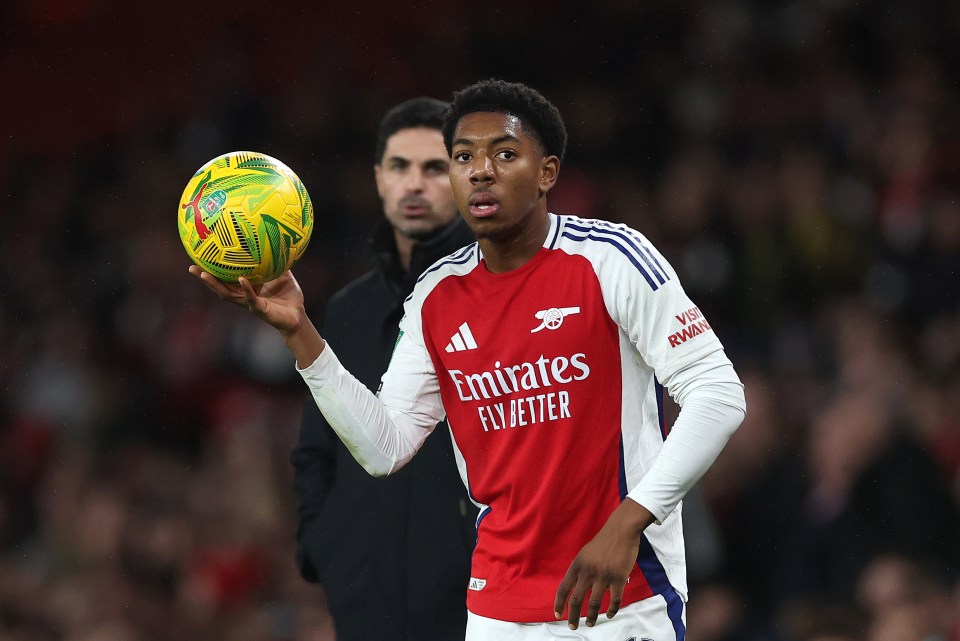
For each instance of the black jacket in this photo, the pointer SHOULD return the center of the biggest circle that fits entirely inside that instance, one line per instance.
(392, 553)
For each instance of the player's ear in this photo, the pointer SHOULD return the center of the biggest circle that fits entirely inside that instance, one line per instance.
(549, 171)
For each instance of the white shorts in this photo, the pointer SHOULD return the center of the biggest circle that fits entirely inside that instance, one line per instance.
(652, 619)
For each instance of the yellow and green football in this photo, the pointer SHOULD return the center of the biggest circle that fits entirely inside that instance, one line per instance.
(245, 214)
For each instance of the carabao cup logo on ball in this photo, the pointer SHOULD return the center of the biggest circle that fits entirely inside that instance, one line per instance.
(245, 214)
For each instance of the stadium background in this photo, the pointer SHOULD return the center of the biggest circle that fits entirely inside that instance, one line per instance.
(797, 161)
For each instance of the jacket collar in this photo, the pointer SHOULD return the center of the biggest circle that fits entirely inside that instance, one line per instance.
(445, 241)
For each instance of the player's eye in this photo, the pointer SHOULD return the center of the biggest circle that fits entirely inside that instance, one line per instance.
(462, 156)
(506, 154)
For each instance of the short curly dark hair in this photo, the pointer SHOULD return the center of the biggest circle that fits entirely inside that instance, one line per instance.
(417, 112)
(538, 115)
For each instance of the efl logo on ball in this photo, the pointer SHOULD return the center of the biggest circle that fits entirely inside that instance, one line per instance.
(245, 214)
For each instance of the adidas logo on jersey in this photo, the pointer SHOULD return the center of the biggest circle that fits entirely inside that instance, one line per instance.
(477, 584)
(462, 340)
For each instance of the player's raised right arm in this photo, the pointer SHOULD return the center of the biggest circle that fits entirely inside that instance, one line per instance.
(381, 438)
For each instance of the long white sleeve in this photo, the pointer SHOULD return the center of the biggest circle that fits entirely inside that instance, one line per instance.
(672, 337)
(712, 407)
(380, 439)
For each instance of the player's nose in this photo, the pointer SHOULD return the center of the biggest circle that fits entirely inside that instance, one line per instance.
(481, 169)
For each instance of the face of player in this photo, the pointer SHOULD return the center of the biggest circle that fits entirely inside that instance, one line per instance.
(500, 177)
(414, 184)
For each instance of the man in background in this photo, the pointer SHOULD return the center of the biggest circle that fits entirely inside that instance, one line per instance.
(392, 553)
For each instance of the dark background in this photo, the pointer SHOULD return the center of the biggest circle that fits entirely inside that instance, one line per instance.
(797, 162)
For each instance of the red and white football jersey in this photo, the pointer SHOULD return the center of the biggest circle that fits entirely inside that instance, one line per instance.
(551, 377)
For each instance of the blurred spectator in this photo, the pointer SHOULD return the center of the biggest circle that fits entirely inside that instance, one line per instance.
(906, 600)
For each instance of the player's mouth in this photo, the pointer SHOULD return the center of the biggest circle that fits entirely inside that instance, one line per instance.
(414, 206)
(483, 204)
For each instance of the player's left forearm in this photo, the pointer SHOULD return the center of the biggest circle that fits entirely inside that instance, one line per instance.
(710, 415)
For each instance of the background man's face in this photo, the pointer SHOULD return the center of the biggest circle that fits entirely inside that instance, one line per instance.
(414, 184)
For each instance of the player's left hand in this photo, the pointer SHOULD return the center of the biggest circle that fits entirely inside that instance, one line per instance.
(604, 564)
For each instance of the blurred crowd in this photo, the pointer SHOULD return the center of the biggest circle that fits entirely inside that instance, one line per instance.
(797, 161)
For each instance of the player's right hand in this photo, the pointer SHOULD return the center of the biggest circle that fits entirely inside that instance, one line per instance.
(278, 302)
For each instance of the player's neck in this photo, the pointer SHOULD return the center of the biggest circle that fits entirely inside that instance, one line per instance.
(515, 247)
